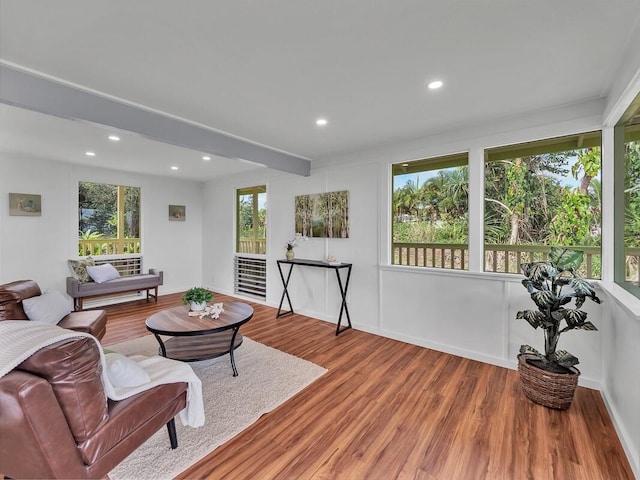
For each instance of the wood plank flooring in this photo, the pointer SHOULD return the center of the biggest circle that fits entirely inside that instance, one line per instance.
(390, 410)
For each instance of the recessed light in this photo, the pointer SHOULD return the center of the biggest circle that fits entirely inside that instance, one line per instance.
(206, 157)
(90, 154)
(114, 138)
(321, 121)
(435, 84)
(174, 167)
(405, 164)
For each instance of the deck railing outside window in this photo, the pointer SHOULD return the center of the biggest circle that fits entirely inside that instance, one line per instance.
(502, 258)
(108, 246)
(437, 255)
(251, 245)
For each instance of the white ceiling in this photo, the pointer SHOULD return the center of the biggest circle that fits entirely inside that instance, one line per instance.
(265, 70)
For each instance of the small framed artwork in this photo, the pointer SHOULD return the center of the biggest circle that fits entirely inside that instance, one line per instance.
(25, 204)
(177, 213)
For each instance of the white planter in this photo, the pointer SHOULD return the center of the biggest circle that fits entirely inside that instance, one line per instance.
(198, 307)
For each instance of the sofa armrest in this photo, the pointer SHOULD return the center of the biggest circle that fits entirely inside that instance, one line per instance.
(160, 273)
(73, 287)
(35, 435)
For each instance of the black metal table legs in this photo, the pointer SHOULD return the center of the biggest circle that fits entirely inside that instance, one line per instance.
(344, 309)
(285, 283)
(343, 305)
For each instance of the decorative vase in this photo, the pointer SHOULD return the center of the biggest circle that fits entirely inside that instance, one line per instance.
(198, 307)
(290, 254)
(553, 390)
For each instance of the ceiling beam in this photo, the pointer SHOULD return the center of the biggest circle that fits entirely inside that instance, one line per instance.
(40, 94)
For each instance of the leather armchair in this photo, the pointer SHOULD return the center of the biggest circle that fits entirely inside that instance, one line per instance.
(56, 422)
(93, 322)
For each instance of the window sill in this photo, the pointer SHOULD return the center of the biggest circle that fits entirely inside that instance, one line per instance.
(626, 300)
(502, 277)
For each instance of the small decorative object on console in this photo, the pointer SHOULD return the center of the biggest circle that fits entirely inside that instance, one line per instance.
(331, 260)
(289, 254)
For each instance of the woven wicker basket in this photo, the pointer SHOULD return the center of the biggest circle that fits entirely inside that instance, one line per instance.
(554, 390)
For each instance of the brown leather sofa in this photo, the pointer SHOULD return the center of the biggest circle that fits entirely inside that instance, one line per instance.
(56, 422)
(12, 294)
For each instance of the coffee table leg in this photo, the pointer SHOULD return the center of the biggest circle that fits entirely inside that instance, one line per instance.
(163, 350)
(233, 361)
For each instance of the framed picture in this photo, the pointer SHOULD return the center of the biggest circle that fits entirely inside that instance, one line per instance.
(177, 213)
(323, 214)
(25, 204)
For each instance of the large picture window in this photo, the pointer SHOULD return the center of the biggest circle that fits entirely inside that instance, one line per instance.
(251, 210)
(108, 219)
(430, 219)
(627, 200)
(542, 194)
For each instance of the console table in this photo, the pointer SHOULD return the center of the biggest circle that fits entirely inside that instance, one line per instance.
(320, 264)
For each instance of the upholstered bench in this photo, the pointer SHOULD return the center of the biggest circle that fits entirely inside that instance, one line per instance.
(11, 308)
(124, 284)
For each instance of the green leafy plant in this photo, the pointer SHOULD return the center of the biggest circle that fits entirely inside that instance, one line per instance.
(197, 295)
(553, 285)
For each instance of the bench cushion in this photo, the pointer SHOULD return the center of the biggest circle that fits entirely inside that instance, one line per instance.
(120, 284)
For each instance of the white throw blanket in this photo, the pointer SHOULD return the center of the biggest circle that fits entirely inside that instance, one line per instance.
(19, 339)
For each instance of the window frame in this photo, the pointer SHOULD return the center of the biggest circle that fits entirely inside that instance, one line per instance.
(114, 245)
(555, 144)
(429, 164)
(622, 133)
(255, 191)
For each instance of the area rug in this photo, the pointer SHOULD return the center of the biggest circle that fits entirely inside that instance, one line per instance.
(267, 378)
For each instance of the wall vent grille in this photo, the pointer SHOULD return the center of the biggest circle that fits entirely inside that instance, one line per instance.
(250, 276)
(126, 265)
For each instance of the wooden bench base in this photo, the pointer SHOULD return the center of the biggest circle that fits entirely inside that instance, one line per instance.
(78, 302)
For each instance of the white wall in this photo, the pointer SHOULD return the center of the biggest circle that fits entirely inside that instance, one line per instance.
(471, 314)
(621, 374)
(38, 247)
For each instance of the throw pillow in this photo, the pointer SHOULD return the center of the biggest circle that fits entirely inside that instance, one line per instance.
(79, 269)
(50, 307)
(123, 372)
(103, 273)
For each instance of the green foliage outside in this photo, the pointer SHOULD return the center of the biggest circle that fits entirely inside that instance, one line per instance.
(98, 211)
(526, 203)
(632, 195)
(435, 211)
(98, 217)
(245, 218)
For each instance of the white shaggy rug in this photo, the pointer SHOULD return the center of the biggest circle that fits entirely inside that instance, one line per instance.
(267, 378)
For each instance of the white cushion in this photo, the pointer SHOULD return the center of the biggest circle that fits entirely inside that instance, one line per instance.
(123, 372)
(50, 307)
(103, 273)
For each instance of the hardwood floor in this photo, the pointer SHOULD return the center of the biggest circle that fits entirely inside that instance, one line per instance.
(387, 410)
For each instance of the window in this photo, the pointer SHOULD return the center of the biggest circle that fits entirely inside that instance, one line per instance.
(430, 220)
(542, 194)
(251, 221)
(108, 219)
(627, 200)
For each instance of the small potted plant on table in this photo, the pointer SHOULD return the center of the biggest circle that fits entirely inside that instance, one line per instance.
(197, 298)
(550, 379)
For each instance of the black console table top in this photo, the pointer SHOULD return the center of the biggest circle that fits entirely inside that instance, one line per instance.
(316, 263)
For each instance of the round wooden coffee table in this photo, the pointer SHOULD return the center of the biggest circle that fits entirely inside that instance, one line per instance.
(194, 338)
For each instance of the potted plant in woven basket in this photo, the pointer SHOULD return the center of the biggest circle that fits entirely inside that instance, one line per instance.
(550, 378)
